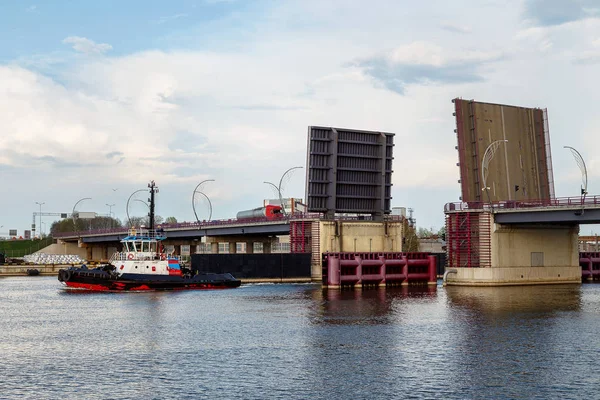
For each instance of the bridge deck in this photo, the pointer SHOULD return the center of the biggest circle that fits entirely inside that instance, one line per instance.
(228, 227)
(569, 210)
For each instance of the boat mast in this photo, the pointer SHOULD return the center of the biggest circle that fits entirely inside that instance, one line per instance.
(153, 189)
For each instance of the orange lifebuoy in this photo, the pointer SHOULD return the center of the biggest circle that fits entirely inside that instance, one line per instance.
(130, 256)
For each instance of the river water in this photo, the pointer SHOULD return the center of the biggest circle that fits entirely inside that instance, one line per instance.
(299, 342)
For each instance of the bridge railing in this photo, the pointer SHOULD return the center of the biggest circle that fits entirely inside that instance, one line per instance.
(178, 225)
(521, 204)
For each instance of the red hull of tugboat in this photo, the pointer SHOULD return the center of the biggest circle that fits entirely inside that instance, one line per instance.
(117, 287)
(102, 281)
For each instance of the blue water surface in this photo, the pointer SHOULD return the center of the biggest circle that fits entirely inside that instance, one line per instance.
(299, 342)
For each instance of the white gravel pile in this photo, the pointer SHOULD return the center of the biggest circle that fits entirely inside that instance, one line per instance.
(43, 258)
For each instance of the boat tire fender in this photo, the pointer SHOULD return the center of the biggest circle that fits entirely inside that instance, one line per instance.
(67, 275)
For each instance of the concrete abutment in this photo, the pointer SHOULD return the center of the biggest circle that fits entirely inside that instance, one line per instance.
(487, 253)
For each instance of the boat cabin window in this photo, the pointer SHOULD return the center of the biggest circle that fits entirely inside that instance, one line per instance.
(145, 246)
(153, 247)
(130, 246)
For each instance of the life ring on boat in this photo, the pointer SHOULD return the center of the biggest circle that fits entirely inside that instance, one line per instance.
(130, 256)
(163, 257)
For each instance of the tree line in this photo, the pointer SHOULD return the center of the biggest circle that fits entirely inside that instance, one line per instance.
(79, 224)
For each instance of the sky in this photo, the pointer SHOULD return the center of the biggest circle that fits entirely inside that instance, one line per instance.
(99, 98)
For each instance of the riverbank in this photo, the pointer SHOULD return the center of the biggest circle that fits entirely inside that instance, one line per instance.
(20, 270)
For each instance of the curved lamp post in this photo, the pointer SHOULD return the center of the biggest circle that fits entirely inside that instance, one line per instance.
(143, 202)
(485, 162)
(583, 169)
(194, 200)
(278, 188)
(78, 201)
(73, 212)
(127, 205)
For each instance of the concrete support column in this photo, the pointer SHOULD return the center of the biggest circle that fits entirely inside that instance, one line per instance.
(232, 247)
(266, 247)
(214, 247)
(249, 247)
(105, 252)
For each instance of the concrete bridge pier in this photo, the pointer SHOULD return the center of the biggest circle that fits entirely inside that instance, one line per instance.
(484, 252)
(232, 247)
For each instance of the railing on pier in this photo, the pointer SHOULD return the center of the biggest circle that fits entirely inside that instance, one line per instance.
(559, 202)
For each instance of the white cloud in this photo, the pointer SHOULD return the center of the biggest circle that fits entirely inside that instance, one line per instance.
(450, 27)
(240, 116)
(426, 53)
(87, 46)
(588, 57)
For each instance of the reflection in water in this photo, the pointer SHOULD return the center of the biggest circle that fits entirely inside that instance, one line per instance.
(511, 299)
(299, 342)
(507, 338)
(362, 342)
(367, 306)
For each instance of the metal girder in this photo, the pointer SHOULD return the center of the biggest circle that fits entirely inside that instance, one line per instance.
(100, 239)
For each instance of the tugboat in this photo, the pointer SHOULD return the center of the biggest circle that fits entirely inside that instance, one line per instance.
(144, 265)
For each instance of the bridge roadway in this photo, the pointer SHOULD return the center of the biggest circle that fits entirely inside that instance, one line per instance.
(190, 230)
(565, 210)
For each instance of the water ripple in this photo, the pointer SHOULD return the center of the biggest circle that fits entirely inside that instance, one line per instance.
(299, 342)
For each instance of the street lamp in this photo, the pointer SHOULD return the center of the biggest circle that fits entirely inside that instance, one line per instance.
(143, 202)
(278, 187)
(73, 212)
(582, 168)
(40, 204)
(127, 205)
(194, 198)
(78, 201)
(485, 162)
(110, 206)
(209, 207)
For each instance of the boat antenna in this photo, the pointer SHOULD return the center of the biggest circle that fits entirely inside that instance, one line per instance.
(153, 189)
